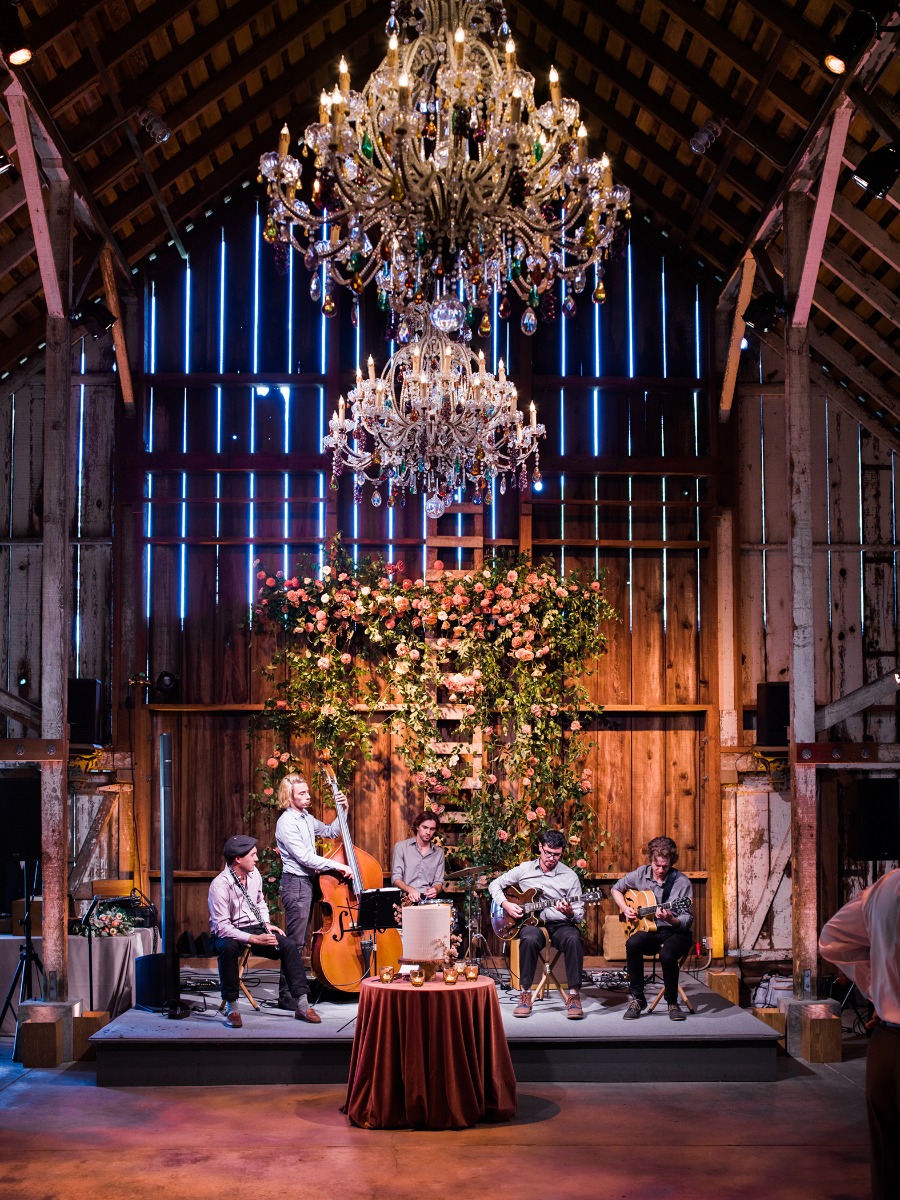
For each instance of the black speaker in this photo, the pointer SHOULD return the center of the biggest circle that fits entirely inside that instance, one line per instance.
(150, 980)
(83, 710)
(20, 817)
(874, 833)
(773, 713)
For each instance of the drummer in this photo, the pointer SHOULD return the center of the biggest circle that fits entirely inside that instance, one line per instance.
(417, 865)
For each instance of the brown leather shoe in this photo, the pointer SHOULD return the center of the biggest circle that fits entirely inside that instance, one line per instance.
(309, 1015)
(233, 1019)
(574, 1011)
(523, 1008)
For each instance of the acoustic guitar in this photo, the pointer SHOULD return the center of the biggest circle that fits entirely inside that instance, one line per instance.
(645, 905)
(532, 902)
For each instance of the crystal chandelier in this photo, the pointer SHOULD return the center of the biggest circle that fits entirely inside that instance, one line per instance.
(444, 182)
(434, 421)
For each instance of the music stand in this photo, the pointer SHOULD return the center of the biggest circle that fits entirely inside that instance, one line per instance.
(376, 911)
(28, 956)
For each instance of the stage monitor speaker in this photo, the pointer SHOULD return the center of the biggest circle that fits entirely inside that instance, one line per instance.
(150, 980)
(875, 831)
(84, 713)
(773, 713)
(20, 817)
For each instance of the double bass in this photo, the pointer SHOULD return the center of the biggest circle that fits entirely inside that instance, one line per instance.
(342, 954)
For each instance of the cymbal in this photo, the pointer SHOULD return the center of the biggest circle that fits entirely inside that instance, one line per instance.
(466, 873)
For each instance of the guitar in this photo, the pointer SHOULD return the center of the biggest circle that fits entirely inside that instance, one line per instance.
(532, 903)
(645, 905)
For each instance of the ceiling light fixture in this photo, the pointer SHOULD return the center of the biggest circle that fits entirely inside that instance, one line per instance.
(704, 137)
(13, 42)
(861, 26)
(879, 170)
(445, 173)
(763, 311)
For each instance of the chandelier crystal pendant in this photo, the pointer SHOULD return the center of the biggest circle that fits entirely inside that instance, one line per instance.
(445, 175)
(434, 422)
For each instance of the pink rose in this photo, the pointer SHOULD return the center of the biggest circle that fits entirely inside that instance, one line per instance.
(323, 663)
(512, 576)
(575, 726)
(268, 791)
(272, 762)
(581, 862)
(531, 815)
(346, 659)
(492, 778)
(446, 772)
(281, 703)
(502, 835)
(541, 812)
(260, 574)
(270, 582)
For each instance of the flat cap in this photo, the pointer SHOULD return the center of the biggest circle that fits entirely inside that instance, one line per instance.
(238, 846)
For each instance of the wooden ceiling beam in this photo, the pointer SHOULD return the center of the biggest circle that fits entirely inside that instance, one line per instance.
(62, 19)
(697, 84)
(808, 41)
(869, 232)
(798, 105)
(14, 253)
(858, 376)
(865, 286)
(19, 295)
(12, 198)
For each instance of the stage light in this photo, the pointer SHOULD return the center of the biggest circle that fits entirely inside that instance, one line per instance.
(13, 42)
(762, 312)
(95, 319)
(167, 687)
(859, 29)
(879, 170)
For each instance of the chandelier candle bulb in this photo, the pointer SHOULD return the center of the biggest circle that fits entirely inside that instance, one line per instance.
(403, 83)
(392, 52)
(371, 366)
(515, 106)
(344, 78)
(324, 108)
(501, 371)
(607, 173)
(459, 45)
(341, 409)
(416, 359)
(582, 142)
(510, 57)
(533, 412)
(284, 141)
(555, 89)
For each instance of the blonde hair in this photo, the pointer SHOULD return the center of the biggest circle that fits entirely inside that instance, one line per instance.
(286, 787)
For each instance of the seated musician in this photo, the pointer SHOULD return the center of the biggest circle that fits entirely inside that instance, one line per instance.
(238, 916)
(417, 866)
(559, 883)
(295, 836)
(672, 938)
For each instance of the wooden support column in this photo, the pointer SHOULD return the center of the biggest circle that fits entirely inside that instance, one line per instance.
(55, 597)
(804, 823)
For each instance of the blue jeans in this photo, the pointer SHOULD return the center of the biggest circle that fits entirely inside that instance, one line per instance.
(296, 894)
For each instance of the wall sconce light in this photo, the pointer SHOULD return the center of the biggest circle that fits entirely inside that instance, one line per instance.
(859, 29)
(879, 170)
(763, 311)
(13, 42)
(704, 137)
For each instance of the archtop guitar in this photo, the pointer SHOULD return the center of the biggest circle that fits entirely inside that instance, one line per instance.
(645, 905)
(533, 904)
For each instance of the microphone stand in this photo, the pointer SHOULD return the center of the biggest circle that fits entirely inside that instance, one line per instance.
(88, 930)
(27, 956)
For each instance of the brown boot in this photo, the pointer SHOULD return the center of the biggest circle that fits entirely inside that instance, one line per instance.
(232, 1016)
(574, 1011)
(523, 1008)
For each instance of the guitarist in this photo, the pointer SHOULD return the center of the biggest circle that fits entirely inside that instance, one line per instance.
(560, 883)
(672, 937)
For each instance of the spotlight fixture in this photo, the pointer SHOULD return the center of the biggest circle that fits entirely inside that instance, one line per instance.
(879, 170)
(762, 312)
(6, 164)
(860, 27)
(703, 138)
(167, 687)
(13, 42)
(96, 319)
(155, 124)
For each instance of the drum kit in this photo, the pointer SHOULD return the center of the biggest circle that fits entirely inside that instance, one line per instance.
(471, 878)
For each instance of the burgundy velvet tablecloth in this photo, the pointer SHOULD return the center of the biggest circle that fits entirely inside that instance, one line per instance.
(433, 1057)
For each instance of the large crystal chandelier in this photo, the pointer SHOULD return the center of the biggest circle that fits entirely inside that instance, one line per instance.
(434, 421)
(444, 182)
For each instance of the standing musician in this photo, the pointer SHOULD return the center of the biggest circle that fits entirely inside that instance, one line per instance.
(672, 938)
(560, 883)
(295, 836)
(417, 866)
(238, 917)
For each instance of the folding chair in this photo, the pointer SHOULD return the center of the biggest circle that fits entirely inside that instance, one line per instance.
(244, 959)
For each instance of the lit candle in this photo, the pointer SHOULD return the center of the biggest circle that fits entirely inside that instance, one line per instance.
(607, 173)
(459, 44)
(582, 142)
(358, 376)
(555, 90)
(513, 400)
(533, 412)
(324, 108)
(515, 106)
(501, 371)
(416, 358)
(403, 83)
(510, 56)
(371, 365)
(344, 77)
(284, 141)
(392, 52)
(447, 354)
(337, 107)
(341, 408)
(380, 394)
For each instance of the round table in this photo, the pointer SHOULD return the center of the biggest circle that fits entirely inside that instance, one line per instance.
(432, 1057)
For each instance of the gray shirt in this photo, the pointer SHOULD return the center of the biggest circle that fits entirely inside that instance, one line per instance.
(417, 870)
(229, 911)
(642, 880)
(559, 884)
(295, 837)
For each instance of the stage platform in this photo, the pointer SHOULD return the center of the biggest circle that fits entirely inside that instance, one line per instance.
(718, 1043)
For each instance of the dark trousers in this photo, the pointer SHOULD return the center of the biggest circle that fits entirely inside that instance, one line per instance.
(563, 936)
(670, 944)
(883, 1106)
(296, 894)
(230, 950)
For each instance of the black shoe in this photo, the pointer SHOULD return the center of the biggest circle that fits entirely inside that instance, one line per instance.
(675, 1013)
(635, 1008)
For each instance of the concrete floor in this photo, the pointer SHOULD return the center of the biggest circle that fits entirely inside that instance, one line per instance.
(804, 1136)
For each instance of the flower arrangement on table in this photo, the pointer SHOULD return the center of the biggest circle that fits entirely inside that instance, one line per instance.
(110, 922)
(506, 646)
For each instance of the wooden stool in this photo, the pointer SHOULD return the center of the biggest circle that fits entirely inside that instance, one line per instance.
(681, 991)
(549, 959)
(245, 958)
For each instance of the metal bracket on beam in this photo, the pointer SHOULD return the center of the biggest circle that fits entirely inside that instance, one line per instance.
(830, 753)
(34, 750)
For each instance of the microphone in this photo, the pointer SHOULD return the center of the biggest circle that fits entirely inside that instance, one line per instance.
(85, 920)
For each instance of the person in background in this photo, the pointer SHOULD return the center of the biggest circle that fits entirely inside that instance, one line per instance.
(417, 866)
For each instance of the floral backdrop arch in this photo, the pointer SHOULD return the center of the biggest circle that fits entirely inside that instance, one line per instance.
(507, 646)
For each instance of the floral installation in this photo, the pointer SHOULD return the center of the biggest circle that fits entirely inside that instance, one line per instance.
(110, 922)
(502, 648)
(269, 866)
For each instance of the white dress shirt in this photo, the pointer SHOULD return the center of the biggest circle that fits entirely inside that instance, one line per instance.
(862, 939)
(559, 884)
(295, 836)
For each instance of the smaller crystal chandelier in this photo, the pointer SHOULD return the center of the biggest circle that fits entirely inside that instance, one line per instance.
(434, 421)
